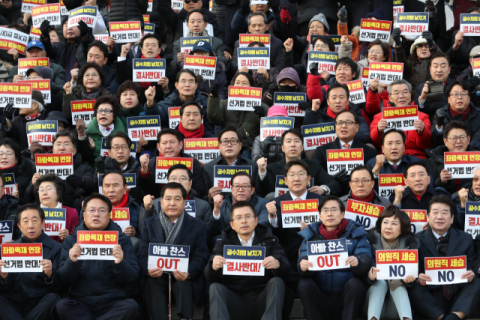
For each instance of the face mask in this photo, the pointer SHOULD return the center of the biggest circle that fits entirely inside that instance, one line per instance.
(287, 89)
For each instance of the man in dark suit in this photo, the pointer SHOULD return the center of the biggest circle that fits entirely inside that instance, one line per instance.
(440, 239)
(292, 146)
(172, 225)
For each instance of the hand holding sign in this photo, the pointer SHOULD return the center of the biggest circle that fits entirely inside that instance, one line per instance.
(382, 125)
(130, 231)
(164, 83)
(155, 273)
(75, 252)
(352, 261)
(62, 234)
(180, 57)
(47, 267)
(35, 178)
(180, 276)
(118, 253)
(373, 84)
(445, 176)
(419, 126)
(218, 262)
(423, 278)
(16, 194)
(3, 274)
(305, 264)
(213, 192)
(372, 274)
(271, 263)
(144, 160)
(469, 275)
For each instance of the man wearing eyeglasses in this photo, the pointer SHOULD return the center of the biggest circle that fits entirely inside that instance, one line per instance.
(459, 108)
(361, 188)
(466, 76)
(119, 159)
(400, 95)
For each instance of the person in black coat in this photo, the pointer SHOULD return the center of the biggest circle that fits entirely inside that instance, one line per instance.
(31, 295)
(264, 294)
(98, 287)
(9, 206)
(130, 10)
(441, 239)
(173, 226)
(98, 53)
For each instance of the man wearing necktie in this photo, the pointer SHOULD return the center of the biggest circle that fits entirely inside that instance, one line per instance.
(440, 239)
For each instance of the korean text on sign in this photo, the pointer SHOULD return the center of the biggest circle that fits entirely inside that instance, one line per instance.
(400, 118)
(397, 264)
(187, 43)
(253, 58)
(20, 94)
(148, 70)
(125, 31)
(446, 270)
(97, 245)
(418, 219)
(388, 182)
(244, 98)
(13, 39)
(42, 131)
(244, 261)
(164, 163)
(143, 126)
(412, 24)
(327, 254)
(281, 186)
(386, 72)
(10, 187)
(55, 163)
(201, 66)
(295, 212)
(88, 14)
(326, 60)
(130, 180)
(371, 30)
(82, 109)
(222, 175)
(363, 212)
(470, 24)
(202, 149)
(343, 159)
(168, 257)
(6, 230)
(472, 218)
(28, 63)
(121, 216)
(173, 117)
(316, 135)
(55, 220)
(28, 5)
(461, 164)
(357, 93)
(41, 85)
(246, 38)
(274, 126)
(22, 257)
(290, 100)
(48, 12)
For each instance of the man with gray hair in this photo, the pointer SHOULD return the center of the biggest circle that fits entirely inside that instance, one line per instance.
(400, 95)
(470, 192)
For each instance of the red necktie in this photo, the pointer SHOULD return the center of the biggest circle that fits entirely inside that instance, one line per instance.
(346, 145)
(395, 167)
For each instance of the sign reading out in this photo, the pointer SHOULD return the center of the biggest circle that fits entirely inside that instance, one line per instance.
(412, 24)
(6, 231)
(253, 58)
(13, 39)
(386, 72)
(472, 218)
(55, 220)
(20, 94)
(125, 31)
(470, 24)
(148, 70)
(49, 12)
(418, 219)
(201, 66)
(326, 61)
(121, 216)
(327, 254)
(356, 91)
(371, 30)
(168, 257)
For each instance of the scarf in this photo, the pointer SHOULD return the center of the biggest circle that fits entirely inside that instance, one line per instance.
(105, 131)
(192, 134)
(392, 284)
(58, 206)
(464, 113)
(132, 112)
(92, 95)
(171, 231)
(147, 85)
(30, 118)
(124, 202)
(334, 234)
(203, 33)
(331, 114)
(368, 199)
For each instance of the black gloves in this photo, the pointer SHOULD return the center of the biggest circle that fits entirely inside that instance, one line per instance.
(430, 7)
(473, 81)
(342, 176)
(342, 15)
(305, 105)
(273, 4)
(260, 111)
(84, 29)
(10, 112)
(214, 90)
(440, 117)
(44, 29)
(396, 36)
(313, 68)
(272, 89)
(75, 181)
(245, 6)
(429, 37)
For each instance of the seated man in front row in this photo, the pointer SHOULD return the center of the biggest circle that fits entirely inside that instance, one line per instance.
(247, 297)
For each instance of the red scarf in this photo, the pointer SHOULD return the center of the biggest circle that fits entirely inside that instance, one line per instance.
(192, 134)
(334, 234)
(368, 199)
(147, 85)
(331, 114)
(30, 118)
(124, 202)
(464, 113)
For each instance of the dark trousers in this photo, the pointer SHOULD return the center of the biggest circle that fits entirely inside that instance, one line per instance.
(156, 297)
(10, 310)
(265, 305)
(432, 303)
(319, 305)
(70, 309)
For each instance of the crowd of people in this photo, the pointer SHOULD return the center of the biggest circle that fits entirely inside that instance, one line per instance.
(192, 209)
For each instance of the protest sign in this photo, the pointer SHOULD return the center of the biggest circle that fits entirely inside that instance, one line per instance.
(168, 257)
(366, 77)
(201, 66)
(130, 180)
(274, 126)
(397, 264)
(173, 117)
(470, 24)
(82, 109)
(55, 220)
(252, 2)
(87, 14)
(43, 86)
(10, 186)
(125, 31)
(316, 135)
(146, 18)
(42, 131)
(363, 212)
(327, 254)
(177, 4)
(281, 186)
(97, 245)
(412, 24)
(400, 118)
(143, 126)
(461, 164)
(386, 72)
(446, 270)
(387, 182)
(343, 159)
(336, 41)
(371, 30)
(243, 261)
(164, 163)
(150, 6)
(246, 38)
(244, 98)
(22, 257)
(49, 12)
(63, 9)
(326, 61)
(6, 231)
(60, 164)
(20, 94)
(398, 7)
(208, 29)
(121, 216)
(187, 43)
(202, 149)
(297, 211)
(476, 67)
(30, 63)
(290, 100)
(418, 219)
(472, 218)
(190, 208)
(357, 93)
(253, 58)
(13, 39)
(35, 34)
(28, 5)
(148, 28)
(222, 175)
(102, 37)
(148, 70)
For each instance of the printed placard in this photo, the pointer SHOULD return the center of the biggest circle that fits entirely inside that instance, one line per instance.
(371, 30)
(43, 86)
(222, 175)
(168, 257)
(49, 12)
(173, 117)
(55, 220)
(202, 149)
(363, 212)
(244, 261)
(88, 14)
(412, 24)
(35, 34)
(290, 101)
(446, 270)
(476, 67)
(281, 186)
(97, 245)
(6, 231)
(10, 186)
(366, 77)
(326, 61)
(29, 63)
(418, 218)
(82, 109)
(22, 257)
(164, 163)
(357, 92)
(20, 94)
(148, 28)
(130, 180)
(252, 2)
(208, 29)
(246, 38)
(274, 126)
(316, 135)
(125, 31)
(143, 126)
(190, 208)
(13, 39)
(295, 212)
(386, 72)
(187, 43)
(102, 37)
(388, 182)
(400, 118)
(28, 5)
(398, 7)
(253, 58)
(146, 18)
(177, 4)
(121, 216)
(472, 218)
(470, 24)
(42, 131)
(327, 254)
(244, 98)
(201, 66)
(60, 164)
(461, 164)
(148, 70)
(63, 9)
(150, 6)
(343, 159)
(336, 41)
(396, 264)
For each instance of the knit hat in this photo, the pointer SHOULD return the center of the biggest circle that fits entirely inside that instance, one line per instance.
(44, 72)
(277, 111)
(248, 75)
(288, 73)
(377, 14)
(418, 41)
(320, 18)
(475, 52)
